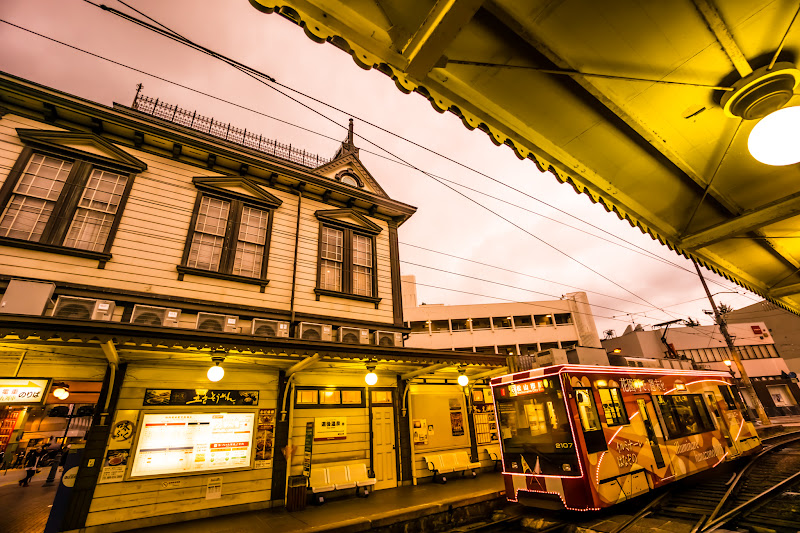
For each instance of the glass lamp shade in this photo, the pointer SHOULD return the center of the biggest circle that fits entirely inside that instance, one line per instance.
(215, 373)
(775, 140)
(463, 380)
(61, 393)
(371, 378)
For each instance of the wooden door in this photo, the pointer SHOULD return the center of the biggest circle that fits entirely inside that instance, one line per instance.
(384, 460)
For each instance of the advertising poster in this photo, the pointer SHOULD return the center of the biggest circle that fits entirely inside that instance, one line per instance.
(265, 437)
(457, 423)
(193, 442)
(420, 431)
(114, 466)
(330, 428)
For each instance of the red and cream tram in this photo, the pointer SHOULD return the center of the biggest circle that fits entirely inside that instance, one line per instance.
(588, 437)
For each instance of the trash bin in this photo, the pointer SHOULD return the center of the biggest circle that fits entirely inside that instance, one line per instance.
(296, 493)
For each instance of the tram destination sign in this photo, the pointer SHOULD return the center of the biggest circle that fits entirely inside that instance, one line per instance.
(200, 397)
(23, 391)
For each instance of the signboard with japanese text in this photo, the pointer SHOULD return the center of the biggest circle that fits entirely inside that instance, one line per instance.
(330, 428)
(192, 442)
(23, 391)
(308, 449)
(200, 397)
(265, 437)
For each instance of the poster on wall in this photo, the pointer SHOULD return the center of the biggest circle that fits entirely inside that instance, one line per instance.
(192, 442)
(265, 437)
(114, 466)
(457, 423)
(330, 428)
(200, 397)
(420, 431)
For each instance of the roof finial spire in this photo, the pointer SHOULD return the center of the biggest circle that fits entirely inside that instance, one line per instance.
(350, 134)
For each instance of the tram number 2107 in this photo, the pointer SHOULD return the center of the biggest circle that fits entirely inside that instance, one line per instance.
(564, 445)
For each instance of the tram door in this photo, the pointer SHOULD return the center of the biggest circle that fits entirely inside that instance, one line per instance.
(651, 433)
(723, 425)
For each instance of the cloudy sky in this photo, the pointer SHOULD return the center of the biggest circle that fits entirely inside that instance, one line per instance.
(521, 237)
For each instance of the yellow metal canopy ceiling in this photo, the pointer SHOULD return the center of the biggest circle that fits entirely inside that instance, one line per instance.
(620, 98)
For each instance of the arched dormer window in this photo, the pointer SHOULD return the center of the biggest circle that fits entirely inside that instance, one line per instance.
(346, 177)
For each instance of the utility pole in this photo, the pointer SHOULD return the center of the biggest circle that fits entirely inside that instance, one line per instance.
(723, 328)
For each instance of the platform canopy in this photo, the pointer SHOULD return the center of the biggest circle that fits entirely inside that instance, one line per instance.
(645, 106)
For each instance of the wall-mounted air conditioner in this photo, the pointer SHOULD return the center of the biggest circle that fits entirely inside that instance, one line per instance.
(389, 338)
(270, 328)
(147, 315)
(215, 322)
(314, 332)
(353, 335)
(74, 308)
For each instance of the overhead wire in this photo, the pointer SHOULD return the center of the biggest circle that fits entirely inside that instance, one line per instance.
(656, 307)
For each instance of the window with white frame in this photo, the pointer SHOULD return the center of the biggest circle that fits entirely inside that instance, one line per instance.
(61, 199)
(229, 234)
(347, 259)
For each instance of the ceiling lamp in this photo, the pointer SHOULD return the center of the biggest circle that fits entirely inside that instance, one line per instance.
(371, 378)
(463, 380)
(61, 391)
(775, 140)
(216, 372)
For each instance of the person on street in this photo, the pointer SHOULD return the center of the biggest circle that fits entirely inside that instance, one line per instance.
(31, 461)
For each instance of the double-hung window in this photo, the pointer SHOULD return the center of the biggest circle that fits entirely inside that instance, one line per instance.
(61, 199)
(347, 262)
(229, 232)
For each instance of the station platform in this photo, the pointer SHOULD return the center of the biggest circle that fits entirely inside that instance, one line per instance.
(379, 509)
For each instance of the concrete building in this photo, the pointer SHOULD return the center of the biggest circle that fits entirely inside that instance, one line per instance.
(219, 299)
(507, 329)
(705, 347)
(783, 326)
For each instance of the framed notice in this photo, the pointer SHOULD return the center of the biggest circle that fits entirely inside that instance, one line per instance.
(330, 428)
(186, 443)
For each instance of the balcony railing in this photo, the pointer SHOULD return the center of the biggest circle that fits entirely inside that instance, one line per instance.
(211, 126)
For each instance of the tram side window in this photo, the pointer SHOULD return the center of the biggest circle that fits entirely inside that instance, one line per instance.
(684, 415)
(727, 396)
(613, 407)
(589, 419)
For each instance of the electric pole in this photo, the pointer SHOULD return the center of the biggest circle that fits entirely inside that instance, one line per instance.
(723, 328)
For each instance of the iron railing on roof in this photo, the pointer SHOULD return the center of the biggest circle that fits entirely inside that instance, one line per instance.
(211, 126)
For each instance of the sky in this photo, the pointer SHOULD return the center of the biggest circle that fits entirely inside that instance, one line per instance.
(513, 234)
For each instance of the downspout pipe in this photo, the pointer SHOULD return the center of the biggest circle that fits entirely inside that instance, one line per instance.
(299, 193)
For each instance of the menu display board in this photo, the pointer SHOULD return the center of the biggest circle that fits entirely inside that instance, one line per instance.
(192, 442)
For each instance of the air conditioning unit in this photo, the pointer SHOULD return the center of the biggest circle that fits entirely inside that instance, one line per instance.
(270, 328)
(75, 308)
(215, 322)
(353, 335)
(389, 338)
(147, 315)
(315, 332)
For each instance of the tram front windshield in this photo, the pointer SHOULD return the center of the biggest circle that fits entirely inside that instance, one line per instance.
(534, 429)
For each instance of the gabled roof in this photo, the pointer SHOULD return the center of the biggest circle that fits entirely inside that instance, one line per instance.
(243, 189)
(346, 161)
(82, 145)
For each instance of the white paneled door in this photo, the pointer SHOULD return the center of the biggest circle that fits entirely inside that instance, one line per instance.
(383, 446)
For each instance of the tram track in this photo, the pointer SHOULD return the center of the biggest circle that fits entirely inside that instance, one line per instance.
(761, 496)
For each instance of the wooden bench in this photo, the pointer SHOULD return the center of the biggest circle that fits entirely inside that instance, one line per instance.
(445, 463)
(339, 477)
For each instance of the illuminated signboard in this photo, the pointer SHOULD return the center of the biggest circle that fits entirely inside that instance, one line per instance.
(518, 389)
(193, 442)
(23, 391)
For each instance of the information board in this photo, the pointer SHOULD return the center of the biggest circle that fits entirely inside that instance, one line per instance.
(23, 391)
(192, 442)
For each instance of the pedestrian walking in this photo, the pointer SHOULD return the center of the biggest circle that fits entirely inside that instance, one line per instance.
(31, 462)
